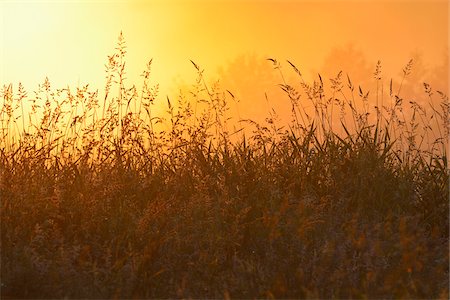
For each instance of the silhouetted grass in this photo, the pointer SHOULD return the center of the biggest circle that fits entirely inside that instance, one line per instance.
(101, 198)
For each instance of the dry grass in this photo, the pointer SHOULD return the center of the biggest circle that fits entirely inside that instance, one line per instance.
(100, 198)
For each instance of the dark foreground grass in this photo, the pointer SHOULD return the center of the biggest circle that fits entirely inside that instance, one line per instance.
(98, 203)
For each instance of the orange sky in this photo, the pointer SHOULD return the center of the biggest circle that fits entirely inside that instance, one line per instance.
(68, 41)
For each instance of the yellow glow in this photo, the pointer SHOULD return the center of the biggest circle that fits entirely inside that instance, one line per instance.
(69, 41)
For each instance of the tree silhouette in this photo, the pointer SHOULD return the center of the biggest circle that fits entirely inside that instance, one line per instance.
(254, 83)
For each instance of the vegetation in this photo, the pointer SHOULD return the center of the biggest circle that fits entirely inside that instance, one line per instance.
(101, 198)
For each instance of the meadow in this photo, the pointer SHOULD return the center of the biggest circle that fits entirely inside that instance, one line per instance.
(103, 198)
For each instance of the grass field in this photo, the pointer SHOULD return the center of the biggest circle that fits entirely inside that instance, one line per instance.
(102, 198)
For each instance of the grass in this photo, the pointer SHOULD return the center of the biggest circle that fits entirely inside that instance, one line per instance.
(101, 198)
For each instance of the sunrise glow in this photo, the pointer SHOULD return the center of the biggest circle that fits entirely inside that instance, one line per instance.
(194, 149)
(69, 41)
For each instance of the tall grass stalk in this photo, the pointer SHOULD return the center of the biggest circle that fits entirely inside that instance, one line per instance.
(101, 198)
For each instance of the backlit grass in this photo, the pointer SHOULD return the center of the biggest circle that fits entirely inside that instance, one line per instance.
(102, 198)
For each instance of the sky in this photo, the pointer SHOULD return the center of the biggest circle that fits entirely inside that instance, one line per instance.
(68, 41)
